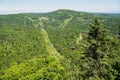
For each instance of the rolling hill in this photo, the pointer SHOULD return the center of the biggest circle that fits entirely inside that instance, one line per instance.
(52, 46)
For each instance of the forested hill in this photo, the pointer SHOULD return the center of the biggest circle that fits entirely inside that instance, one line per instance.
(60, 45)
(59, 17)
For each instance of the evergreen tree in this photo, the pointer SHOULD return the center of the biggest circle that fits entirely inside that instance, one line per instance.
(97, 40)
(96, 51)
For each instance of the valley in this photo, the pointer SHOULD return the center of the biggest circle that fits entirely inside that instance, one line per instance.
(60, 45)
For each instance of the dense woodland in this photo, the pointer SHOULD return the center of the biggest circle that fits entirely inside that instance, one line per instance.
(60, 45)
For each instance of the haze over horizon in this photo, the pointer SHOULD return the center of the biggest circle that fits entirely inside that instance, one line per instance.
(23, 6)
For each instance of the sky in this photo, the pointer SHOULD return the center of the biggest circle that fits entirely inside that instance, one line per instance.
(19, 6)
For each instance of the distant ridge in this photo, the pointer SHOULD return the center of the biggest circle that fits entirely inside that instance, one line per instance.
(59, 10)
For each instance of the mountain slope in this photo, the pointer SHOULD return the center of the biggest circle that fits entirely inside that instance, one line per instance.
(52, 46)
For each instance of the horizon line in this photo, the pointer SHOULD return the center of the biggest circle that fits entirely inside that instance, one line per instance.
(37, 11)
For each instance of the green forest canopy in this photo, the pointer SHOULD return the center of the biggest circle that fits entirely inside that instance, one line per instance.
(36, 46)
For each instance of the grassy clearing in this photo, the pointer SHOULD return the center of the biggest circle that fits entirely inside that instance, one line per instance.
(65, 23)
(49, 46)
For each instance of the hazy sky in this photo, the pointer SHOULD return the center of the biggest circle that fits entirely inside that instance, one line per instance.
(16, 6)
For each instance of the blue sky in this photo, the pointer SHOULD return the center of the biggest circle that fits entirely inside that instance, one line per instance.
(18, 6)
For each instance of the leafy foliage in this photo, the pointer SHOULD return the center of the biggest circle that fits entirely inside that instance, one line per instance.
(59, 45)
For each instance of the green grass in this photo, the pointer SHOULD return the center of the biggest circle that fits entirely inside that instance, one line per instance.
(65, 22)
(49, 46)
